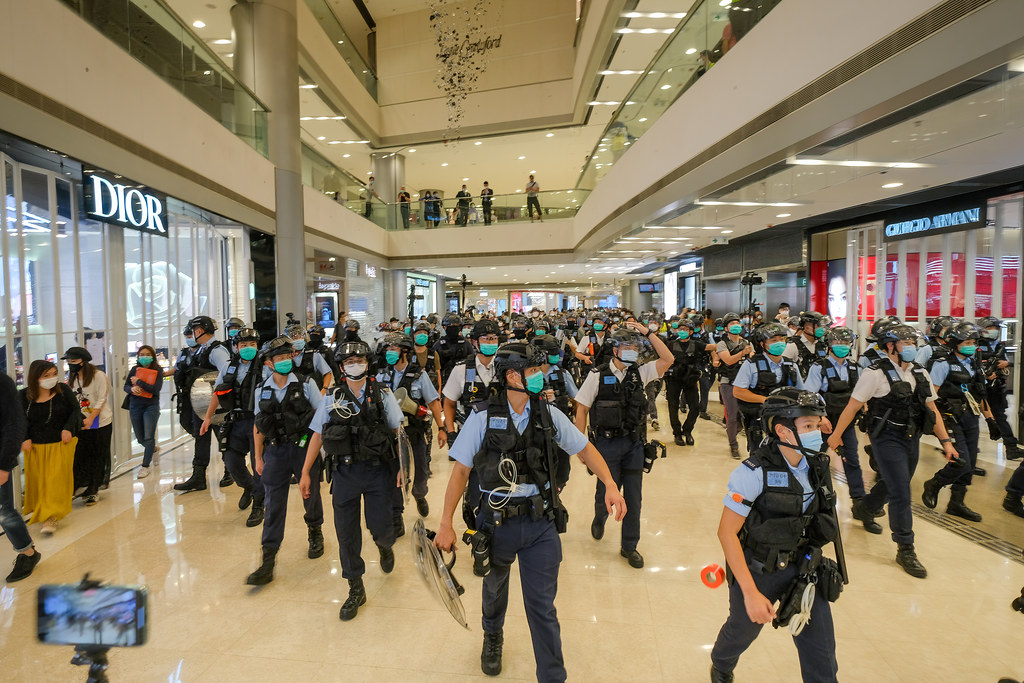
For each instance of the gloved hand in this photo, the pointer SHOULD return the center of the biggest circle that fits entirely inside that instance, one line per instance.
(993, 429)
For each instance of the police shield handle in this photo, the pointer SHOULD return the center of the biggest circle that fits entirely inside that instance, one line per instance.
(759, 608)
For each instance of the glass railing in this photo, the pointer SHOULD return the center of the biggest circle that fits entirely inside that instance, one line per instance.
(153, 34)
(701, 39)
(343, 44)
(448, 212)
(331, 180)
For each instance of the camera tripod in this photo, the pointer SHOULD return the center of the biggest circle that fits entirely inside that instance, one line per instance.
(96, 658)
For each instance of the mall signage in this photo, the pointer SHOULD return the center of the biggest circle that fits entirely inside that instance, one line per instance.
(121, 202)
(935, 219)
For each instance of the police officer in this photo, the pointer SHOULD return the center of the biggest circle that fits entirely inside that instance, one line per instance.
(936, 346)
(559, 387)
(992, 358)
(510, 443)
(180, 372)
(613, 398)
(350, 332)
(768, 538)
(234, 394)
(452, 347)
(760, 373)
(401, 371)
(732, 350)
(284, 407)
(834, 378)
(356, 425)
(901, 407)
(682, 379)
(316, 344)
(208, 354)
(875, 352)
(810, 345)
(231, 328)
(307, 363)
(593, 346)
(960, 384)
(470, 380)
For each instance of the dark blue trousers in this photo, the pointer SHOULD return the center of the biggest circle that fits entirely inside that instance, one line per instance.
(851, 459)
(625, 458)
(535, 542)
(201, 448)
(896, 457)
(964, 433)
(374, 485)
(997, 404)
(705, 389)
(279, 464)
(11, 521)
(240, 444)
(1016, 484)
(674, 390)
(816, 644)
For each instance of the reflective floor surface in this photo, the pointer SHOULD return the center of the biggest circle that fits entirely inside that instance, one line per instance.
(618, 623)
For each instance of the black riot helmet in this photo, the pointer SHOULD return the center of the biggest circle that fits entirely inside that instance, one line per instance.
(961, 332)
(937, 325)
(989, 321)
(517, 356)
(763, 333)
(786, 404)
(246, 334)
(233, 324)
(203, 322)
(521, 327)
(884, 321)
(729, 317)
(352, 324)
(402, 341)
(451, 320)
(316, 335)
(547, 344)
(892, 333)
(348, 350)
(484, 327)
(624, 336)
(841, 335)
(278, 346)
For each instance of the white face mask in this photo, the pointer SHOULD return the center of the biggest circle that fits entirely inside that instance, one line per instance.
(355, 369)
(49, 382)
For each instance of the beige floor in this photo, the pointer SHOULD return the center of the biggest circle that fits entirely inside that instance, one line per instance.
(618, 623)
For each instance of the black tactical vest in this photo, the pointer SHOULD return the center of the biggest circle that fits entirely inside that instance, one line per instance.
(235, 397)
(474, 390)
(939, 352)
(808, 357)
(688, 359)
(906, 404)
(362, 435)
(450, 353)
(951, 391)
(181, 367)
(778, 527)
(838, 392)
(199, 364)
(766, 381)
(284, 422)
(411, 376)
(620, 408)
(729, 372)
(305, 368)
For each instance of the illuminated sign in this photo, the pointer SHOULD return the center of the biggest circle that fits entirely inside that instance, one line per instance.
(947, 219)
(127, 205)
(371, 271)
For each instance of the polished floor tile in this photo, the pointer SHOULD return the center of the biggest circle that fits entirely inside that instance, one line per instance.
(193, 552)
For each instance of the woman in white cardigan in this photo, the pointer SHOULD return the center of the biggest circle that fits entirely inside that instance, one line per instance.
(92, 455)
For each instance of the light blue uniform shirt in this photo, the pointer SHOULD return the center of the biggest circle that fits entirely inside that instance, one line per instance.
(319, 364)
(243, 370)
(816, 380)
(924, 354)
(309, 389)
(866, 362)
(749, 483)
(337, 397)
(421, 388)
(220, 357)
(570, 386)
(940, 370)
(746, 378)
(471, 438)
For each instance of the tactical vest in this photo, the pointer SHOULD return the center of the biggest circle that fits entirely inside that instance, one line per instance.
(988, 356)
(951, 397)
(689, 358)
(620, 408)
(474, 390)
(729, 372)
(285, 422)
(778, 527)
(939, 352)
(412, 374)
(306, 368)
(181, 369)
(199, 364)
(808, 357)
(838, 392)
(234, 397)
(766, 381)
(873, 355)
(528, 451)
(905, 405)
(451, 353)
(361, 434)
(556, 382)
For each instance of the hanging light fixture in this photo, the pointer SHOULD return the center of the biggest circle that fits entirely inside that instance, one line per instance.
(459, 30)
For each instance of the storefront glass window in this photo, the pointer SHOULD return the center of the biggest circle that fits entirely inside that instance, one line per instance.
(958, 273)
(1011, 270)
(983, 264)
(912, 279)
(933, 276)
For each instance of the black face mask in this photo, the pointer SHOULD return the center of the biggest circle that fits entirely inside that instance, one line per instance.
(351, 335)
(73, 368)
(519, 334)
(315, 341)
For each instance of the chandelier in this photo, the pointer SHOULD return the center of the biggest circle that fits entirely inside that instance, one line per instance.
(459, 30)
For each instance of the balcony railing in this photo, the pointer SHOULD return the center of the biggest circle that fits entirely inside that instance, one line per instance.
(153, 34)
(343, 44)
(704, 36)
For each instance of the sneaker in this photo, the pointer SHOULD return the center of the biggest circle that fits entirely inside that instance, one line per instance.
(49, 526)
(654, 425)
(91, 500)
(705, 416)
(143, 473)
(23, 566)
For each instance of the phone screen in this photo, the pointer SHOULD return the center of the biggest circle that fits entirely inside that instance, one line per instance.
(108, 616)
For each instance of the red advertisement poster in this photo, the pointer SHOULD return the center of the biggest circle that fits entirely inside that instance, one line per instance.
(1011, 272)
(983, 285)
(818, 285)
(517, 302)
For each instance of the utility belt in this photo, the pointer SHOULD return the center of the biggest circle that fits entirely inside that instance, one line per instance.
(534, 507)
(338, 461)
(765, 559)
(284, 441)
(612, 432)
(238, 416)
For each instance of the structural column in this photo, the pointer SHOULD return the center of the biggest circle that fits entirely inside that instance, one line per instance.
(389, 177)
(267, 61)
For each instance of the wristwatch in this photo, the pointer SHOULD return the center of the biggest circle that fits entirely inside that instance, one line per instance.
(947, 440)
(452, 435)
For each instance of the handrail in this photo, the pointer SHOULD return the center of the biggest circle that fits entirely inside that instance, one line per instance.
(343, 44)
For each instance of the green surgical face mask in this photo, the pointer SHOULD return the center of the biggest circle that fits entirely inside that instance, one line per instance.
(145, 360)
(552, 359)
(247, 352)
(422, 338)
(283, 366)
(598, 326)
(735, 329)
(488, 349)
(684, 334)
(841, 350)
(535, 382)
(819, 332)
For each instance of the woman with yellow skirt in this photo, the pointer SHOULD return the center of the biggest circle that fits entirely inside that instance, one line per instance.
(54, 417)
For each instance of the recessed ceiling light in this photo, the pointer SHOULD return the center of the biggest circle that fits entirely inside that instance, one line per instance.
(199, 23)
(341, 42)
(445, 163)
(230, 55)
(550, 135)
(889, 186)
(308, 86)
(346, 156)
(691, 50)
(465, 180)
(411, 151)
(494, 267)
(222, 41)
(532, 171)
(521, 158)
(643, 119)
(666, 86)
(783, 215)
(715, 202)
(727, 232)
(322, 137)
(334, 142)
(305, 118)
(478, 143)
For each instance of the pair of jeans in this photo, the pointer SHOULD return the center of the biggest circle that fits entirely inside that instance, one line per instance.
(11, 520)
(144, 420)
(732, 414)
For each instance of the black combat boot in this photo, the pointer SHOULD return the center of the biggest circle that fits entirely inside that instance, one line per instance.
(718, 676)
(422, 507)
(399, 525)
(866, 517)
(356, 599)
(226, 480)
(197, 482)
(679, 440)
(957, 508)
(1012, 503)
(246, 499)
(490, 656)
(907, 558)
(265, 573)
(255, 515)
(387, 559)
(316, 542)
(930, 496)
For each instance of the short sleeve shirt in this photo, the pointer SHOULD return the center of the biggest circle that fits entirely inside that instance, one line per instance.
(338, 399)
(588, 392)
(747, 482)
(309, 390)
(457, 380)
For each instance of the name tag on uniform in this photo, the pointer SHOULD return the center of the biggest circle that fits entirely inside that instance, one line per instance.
(497, 423)
(609, 380)
(267, 393)
(778, 480)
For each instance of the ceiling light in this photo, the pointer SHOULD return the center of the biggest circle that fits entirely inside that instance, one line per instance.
(445, 163)
(305, 118)
(518, 190)
(653, 15)
(666, 86)
(550, 135)
(610, 104)
(532, 171)
(322, 137)
(783, 215)
(727, 232)
(199, 23)
(322, 118)
(494, 267)
(856, 163)
(308, 86)
(222, 41)
(691, 50)
(478, 143)
(334, 142)
(889, 186)
(710, 202)
(643, 119)
(341, 42)
(465, 180)
(521, 158)
(338, 118)
(648, 30)
(230, 55)
(346, 156)
(411, 151)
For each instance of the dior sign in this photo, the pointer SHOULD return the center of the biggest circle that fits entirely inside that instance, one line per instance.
(127, 205)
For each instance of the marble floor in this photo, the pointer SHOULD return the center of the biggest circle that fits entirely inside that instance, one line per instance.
(193, 553)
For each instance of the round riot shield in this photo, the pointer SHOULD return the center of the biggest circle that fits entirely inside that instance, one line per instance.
(405, 459)
(436, 573)
(201, 393)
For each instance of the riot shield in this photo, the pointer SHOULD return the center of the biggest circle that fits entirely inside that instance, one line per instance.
(436, 573)
(200, 395)
(405, 459)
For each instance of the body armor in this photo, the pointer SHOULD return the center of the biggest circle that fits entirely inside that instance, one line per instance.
(766, 381)
(690, 358)
(474, 390)
(417, 424)
(234, 398)
(620, 408)
(450, 353)
(807, 357)
(951, 399)
(729, 372)
(556, 382)
(905, 406)
(364, 435)
(837, 395)
(285, 422)
(599, 351)
(304, 368)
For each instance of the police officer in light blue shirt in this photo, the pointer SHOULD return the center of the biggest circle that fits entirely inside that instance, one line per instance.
(357, 427)
(520, 511)
(765, 370)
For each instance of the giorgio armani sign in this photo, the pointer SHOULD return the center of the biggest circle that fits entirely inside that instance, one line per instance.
(935, 219)
(121, 202)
